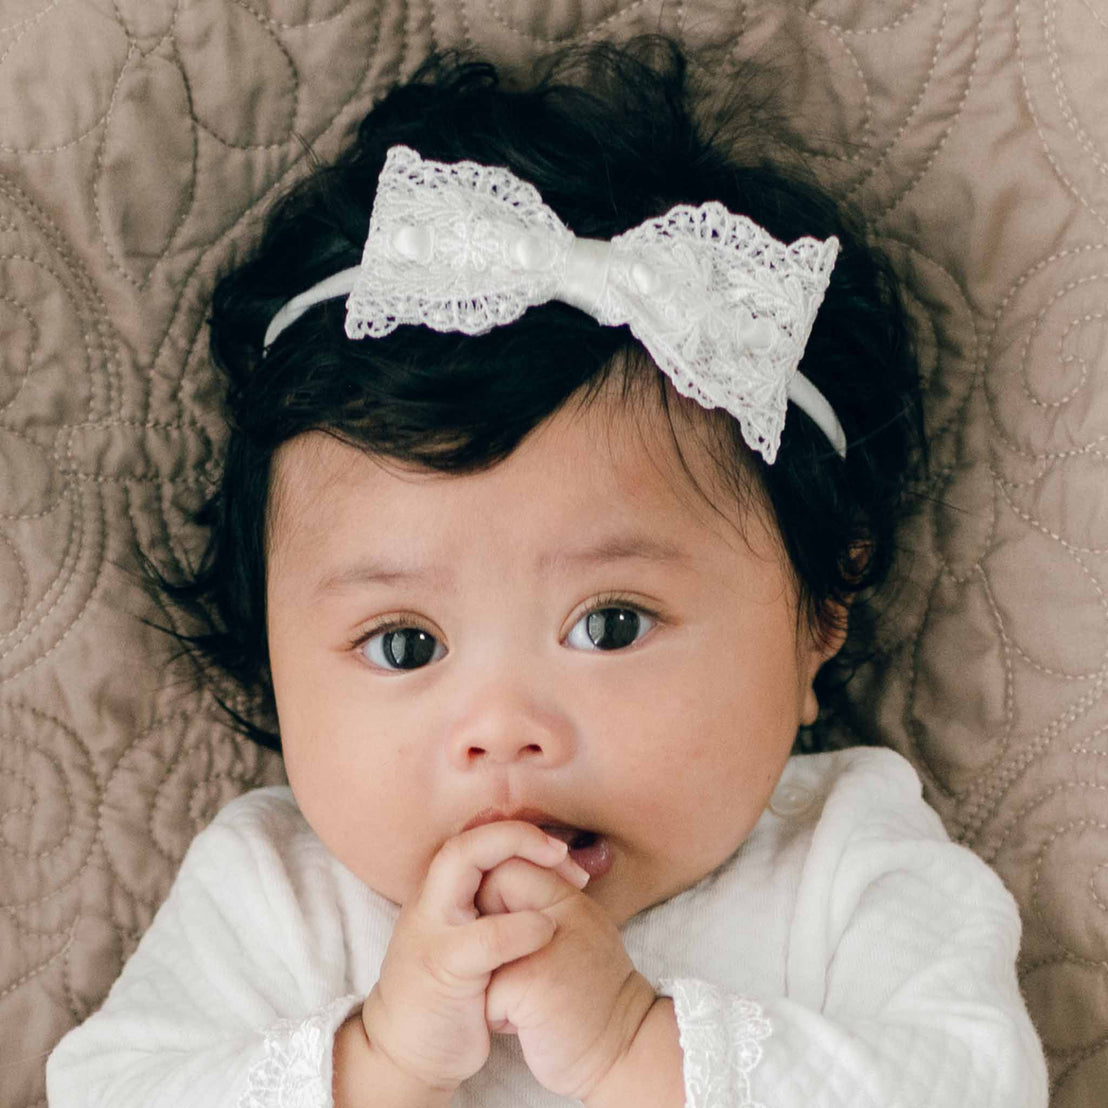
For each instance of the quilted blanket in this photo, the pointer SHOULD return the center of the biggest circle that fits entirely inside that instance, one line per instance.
(140, 140)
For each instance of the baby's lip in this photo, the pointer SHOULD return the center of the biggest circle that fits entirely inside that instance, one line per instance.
(525, 815)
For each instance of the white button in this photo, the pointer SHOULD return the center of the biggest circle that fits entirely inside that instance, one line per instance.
(646, 280)
(530, 252)
(790, 800)
(413, 243)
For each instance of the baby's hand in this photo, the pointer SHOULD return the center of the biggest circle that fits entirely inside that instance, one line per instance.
(426, 1014)
(577, 1002)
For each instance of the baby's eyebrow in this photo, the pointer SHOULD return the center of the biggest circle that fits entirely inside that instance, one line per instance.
(617, 548)
(376, 571)
(379, 572)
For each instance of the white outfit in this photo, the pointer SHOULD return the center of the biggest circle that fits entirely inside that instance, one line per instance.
(847, 954)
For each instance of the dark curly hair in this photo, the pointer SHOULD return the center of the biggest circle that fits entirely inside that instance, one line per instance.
(610, 136)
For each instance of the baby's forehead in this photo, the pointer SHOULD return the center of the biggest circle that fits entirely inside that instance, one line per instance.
(588, 468)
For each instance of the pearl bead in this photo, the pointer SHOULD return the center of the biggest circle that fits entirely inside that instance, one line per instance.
(758, 333)
(413, 243)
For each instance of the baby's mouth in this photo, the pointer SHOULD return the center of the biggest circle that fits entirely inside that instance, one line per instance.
(589, 849)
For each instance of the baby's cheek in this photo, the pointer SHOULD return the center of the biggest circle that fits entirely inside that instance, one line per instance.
(356, 830)
(712, 806)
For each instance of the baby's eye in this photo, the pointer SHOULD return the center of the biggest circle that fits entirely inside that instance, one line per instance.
(609, 629)
(402, 648)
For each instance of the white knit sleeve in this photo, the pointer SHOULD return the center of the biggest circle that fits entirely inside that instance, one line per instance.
(919, 1004)
(232, 998)
(900, 985)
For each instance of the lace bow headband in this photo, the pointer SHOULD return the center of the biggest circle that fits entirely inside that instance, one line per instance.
(724, 309)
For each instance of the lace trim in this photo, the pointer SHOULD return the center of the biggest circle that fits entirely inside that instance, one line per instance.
(722, 306)
(295, 1068)
(721, 1040)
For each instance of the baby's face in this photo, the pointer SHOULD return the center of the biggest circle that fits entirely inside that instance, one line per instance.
(573, 637)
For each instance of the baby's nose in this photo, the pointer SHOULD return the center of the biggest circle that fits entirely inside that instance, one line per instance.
(504, 731)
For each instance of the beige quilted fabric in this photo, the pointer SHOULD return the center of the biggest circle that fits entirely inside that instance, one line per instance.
(139, 138)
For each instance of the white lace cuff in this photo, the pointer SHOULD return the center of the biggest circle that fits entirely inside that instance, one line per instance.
(721, 1041)
(294, 1070)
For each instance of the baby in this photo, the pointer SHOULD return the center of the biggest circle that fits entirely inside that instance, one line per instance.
(563, 442)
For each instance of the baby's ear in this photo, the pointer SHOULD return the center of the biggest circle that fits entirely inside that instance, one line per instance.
(826, 635)
(829, 634)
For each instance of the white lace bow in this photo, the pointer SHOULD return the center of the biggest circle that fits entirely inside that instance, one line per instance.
(723, 308)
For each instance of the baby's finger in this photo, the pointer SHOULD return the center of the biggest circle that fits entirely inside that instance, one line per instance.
(575, 874)
(493, 941)
(516, 885)
(457, 869)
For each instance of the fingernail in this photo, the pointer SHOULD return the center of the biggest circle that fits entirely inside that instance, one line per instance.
(563, 847)
(573, 873)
